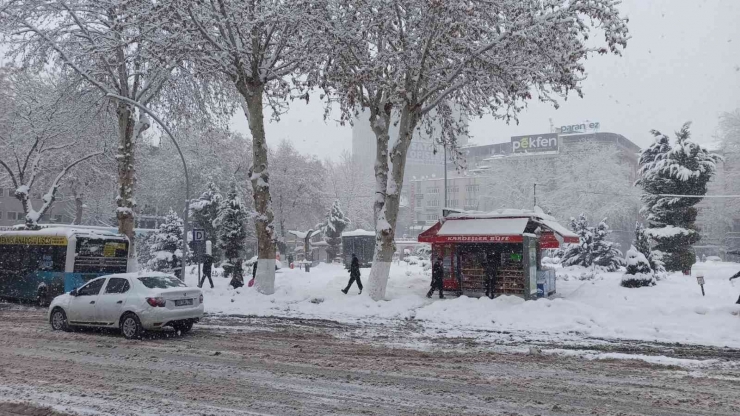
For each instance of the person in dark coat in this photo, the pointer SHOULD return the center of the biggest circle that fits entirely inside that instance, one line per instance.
(237, 280)
(254, 270)
(491, 269)
(735, 276)
(207, 267)
(437, 277)
(354, 275)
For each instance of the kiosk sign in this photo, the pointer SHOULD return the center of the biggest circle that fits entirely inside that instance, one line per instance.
(535, 143)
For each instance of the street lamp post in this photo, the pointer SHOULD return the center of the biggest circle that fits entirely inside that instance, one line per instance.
(184, 167)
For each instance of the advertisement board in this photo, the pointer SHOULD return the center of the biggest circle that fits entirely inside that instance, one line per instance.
(535, 143)
(422, 152)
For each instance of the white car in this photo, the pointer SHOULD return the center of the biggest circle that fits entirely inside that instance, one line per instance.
(133, 302)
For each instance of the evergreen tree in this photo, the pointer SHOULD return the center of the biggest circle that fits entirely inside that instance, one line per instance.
(642, 244)
(580, 254)
(684, 168)
(336, 222)
(593, 248)
(638, 272)
(231, 227)
(166, 245)
(605, 253)
(204, 212)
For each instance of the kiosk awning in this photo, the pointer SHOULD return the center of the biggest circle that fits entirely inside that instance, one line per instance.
(568, 236)
(470, 230)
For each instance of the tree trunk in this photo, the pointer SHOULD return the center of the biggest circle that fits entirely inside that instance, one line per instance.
(386, 224)
(127, 177)
(380, 124)
(260, 178)
(78, 209)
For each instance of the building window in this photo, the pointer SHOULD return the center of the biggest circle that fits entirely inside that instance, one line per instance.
(433, 190)
(432, 217)
(452, 203)
(473, 188)
(2, 192)
(433, 203)
(1, 213)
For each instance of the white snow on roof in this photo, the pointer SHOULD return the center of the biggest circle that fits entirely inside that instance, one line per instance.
(302, 234)
(502, 213)
(484, 226)
(555, 226)
(358, 232)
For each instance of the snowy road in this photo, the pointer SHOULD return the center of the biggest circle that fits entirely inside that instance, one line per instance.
(255, 366)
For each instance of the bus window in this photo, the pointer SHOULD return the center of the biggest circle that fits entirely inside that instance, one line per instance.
(100, 255)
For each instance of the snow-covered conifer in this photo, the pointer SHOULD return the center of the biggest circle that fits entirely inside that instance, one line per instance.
(642, 244)
(683, 168)
(336, 222)
(231, 227)
(166, 245)
(593, 248)
(638, 272)
(580, 254)
(605, 253)
(204, 212)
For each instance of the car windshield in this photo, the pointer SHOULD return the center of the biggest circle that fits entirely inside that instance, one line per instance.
(161, 282)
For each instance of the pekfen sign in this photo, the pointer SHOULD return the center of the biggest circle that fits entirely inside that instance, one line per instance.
(535, 143)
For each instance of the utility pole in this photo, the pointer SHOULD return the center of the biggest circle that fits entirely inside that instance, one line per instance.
(535, 194)
(445, 203)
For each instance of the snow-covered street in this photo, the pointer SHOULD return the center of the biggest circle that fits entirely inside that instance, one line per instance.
(282, 366)
(582, 312)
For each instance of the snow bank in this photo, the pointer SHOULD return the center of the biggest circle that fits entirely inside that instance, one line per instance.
(672, 311)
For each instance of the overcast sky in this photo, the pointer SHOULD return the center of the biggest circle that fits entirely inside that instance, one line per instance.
(682, 63)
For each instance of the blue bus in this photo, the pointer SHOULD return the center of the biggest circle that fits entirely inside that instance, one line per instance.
(40, 265)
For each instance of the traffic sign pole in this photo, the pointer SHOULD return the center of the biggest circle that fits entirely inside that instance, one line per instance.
(199, 237)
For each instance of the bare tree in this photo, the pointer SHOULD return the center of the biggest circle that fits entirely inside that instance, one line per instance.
(254, 45)
(45, 122)
(419, 60)
(115, 46)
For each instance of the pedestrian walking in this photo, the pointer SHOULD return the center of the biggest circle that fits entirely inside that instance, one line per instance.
(207, 266)
(354, 275)
(237, 279)
(437, 277)
(491, 270)
(735, 276)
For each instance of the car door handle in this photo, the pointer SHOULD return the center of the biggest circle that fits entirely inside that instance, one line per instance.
(120, 301)
(92, 302)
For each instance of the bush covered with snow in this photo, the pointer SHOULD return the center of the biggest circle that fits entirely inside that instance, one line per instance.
(639, 273)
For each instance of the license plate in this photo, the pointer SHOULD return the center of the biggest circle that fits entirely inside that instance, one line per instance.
(183, 302)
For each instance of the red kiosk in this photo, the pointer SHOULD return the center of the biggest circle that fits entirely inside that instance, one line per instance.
(514, 239)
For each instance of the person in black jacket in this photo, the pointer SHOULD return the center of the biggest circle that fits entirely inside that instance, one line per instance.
(491, 268)
(735, 276)
(207, 267)
(354, 275)
(437, 276)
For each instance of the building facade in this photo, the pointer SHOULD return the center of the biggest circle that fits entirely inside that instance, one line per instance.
(11, 210)
(565, 174)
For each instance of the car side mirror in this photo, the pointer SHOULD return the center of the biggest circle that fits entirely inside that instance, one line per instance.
(73, 292)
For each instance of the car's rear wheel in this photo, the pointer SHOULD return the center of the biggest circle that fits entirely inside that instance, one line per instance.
(131, 326)
(58, 320)
(183, 327)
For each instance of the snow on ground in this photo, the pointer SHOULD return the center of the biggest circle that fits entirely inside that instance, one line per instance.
(672, 311)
